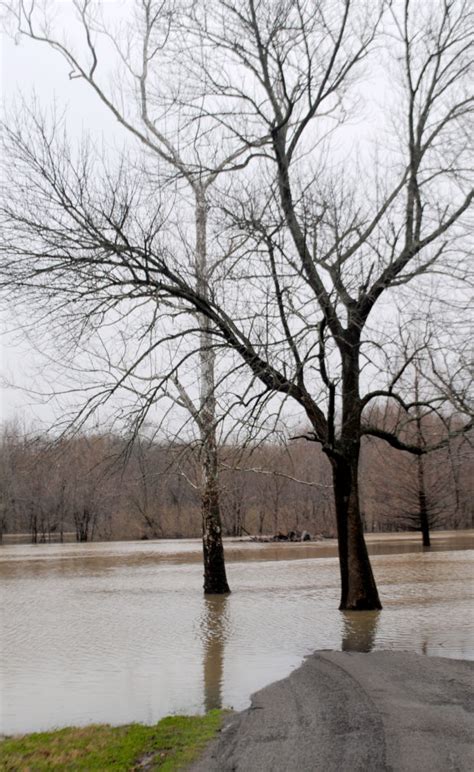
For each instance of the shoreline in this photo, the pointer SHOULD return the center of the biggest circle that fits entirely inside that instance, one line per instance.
(23, 539)
(375, 712)
(383, 711)
(171, 744)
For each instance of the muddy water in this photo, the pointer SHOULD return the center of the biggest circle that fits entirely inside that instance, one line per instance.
(121, 632)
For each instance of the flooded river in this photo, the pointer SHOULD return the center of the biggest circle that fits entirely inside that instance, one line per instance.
(121, 632)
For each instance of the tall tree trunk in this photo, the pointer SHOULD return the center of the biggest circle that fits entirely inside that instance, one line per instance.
(34, 528)
(358, 588)
(215, 579)
(423, 513)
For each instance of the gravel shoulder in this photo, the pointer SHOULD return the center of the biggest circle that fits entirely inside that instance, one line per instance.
(396, 711)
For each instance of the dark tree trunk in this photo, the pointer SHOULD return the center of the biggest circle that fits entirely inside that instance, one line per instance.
(82, 522)
(422, 503)
(34, 529)
(215, 579)
(423, 513)
(358, 588)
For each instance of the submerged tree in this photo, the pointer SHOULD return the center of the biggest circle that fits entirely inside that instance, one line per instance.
(312, 248)
(144, 45)
(424, 484)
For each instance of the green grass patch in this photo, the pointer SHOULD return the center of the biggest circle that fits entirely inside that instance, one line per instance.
(169, 745)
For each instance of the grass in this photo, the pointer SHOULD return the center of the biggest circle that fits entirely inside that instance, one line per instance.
(167, 746)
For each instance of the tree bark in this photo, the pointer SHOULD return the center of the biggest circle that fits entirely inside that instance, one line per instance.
(422, 503)
(423, 513)
(215, 579)
(358, 588)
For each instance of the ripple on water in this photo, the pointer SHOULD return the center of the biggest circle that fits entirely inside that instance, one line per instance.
(111, 635)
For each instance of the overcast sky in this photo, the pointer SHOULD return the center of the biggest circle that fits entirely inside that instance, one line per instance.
(29, 69)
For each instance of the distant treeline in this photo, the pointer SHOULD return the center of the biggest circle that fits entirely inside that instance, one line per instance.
(100, 486)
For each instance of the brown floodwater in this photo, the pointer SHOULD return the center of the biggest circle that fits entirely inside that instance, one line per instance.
(120, 632)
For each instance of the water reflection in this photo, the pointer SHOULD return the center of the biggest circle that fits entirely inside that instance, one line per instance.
(359, 630)
(122, 633)
(214, 628)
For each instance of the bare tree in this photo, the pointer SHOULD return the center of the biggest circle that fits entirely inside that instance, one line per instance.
(401, 494)
(8, 465)
(317, 250)
(431, 413)
(145, 485)
(46, 490)
(150, 32)
(326, 248)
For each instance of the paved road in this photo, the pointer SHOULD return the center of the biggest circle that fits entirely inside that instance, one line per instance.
(353, 712)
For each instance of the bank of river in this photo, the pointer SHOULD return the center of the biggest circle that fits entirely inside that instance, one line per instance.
(121, 632)
(385, 711)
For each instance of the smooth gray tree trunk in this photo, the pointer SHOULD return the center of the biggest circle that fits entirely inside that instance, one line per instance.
(215, 579)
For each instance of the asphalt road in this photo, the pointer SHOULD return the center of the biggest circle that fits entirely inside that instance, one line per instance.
(353, 712)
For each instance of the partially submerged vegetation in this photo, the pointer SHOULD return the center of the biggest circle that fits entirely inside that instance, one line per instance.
(169, 745)
(238, 190)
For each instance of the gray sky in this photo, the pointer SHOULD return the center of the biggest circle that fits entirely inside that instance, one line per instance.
(29, 68)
